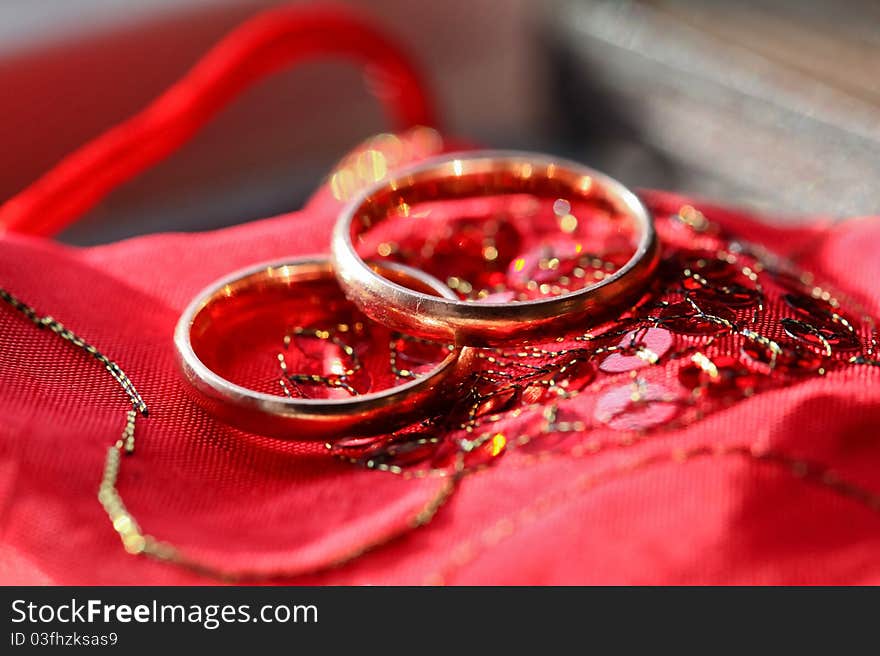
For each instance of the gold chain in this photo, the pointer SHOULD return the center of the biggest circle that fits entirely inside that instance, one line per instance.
(124, 523)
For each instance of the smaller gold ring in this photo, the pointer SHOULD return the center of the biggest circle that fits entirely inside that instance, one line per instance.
(288, 417)
(486, 173)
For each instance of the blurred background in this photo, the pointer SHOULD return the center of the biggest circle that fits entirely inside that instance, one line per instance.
(771, 105)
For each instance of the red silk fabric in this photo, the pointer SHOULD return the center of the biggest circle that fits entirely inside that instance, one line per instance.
(750, 476)
(635, 511)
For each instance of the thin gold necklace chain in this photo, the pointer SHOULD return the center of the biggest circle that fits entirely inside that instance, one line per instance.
(50, 323)
(133, 538)
(125, 525)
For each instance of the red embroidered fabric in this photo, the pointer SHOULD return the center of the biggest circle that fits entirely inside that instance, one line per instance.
(723, 430)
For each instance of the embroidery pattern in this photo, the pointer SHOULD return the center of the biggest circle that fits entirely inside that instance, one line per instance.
(723, 321)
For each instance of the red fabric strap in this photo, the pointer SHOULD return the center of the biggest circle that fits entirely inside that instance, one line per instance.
(270, 41)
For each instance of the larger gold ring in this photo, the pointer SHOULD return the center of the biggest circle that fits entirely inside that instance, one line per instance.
(483, 174)
(239, 297)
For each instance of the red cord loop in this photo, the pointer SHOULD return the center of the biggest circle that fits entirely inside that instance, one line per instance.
(270, 41)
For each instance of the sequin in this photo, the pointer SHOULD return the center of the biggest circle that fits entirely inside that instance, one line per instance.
(545, 262)
(561, 379)
(704, 265)
(638, 349)
(636, 407)
(815, 310)
(821, 337)
(732, 295)
(788, 359)
(708, 319)
(496, 402)
(720, 375)
(406, 451)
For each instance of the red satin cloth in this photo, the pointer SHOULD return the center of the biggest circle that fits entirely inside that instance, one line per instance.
(751, 475)
(685, 504)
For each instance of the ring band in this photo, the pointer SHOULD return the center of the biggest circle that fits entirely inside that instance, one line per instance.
(283, 416)
(483, 174)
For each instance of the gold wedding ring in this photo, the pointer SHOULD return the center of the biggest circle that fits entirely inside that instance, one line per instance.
(238, 297)
(476, 174)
